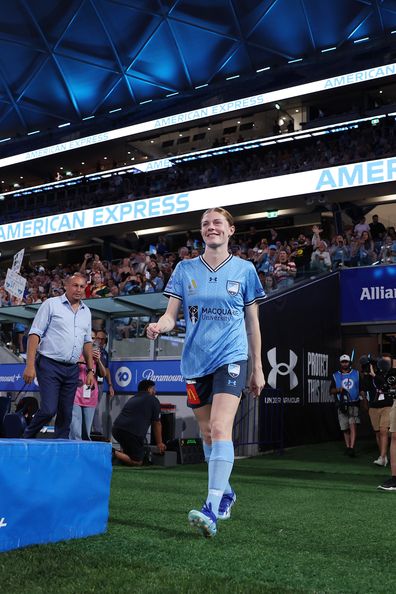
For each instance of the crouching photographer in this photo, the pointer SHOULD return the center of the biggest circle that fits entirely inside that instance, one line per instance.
(376, 396)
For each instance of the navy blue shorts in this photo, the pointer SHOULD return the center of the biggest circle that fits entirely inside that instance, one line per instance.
(228, 379)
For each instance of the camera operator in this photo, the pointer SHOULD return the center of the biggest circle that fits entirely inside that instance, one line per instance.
(378, 402)
(387, 376)
(345, 389)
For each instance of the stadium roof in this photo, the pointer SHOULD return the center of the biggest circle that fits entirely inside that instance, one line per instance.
(63, 62)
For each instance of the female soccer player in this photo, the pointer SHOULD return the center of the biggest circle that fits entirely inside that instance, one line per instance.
(220, 295)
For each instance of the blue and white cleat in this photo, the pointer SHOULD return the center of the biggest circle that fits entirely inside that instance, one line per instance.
(204, 521)
(225, 506)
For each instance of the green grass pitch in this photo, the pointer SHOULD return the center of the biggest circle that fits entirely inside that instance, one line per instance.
(309, 521)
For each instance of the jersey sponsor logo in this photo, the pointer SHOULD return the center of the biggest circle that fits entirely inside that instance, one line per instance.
(233, 287)
(193, 313)
(222, 314)
(192, 394)
(3, 523)
(234, 369)
(282, 369)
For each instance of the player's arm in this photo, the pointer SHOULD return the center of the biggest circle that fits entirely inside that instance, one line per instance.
(256, 381)
(167, 322)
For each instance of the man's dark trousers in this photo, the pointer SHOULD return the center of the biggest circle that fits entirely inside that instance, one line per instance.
(58, 383)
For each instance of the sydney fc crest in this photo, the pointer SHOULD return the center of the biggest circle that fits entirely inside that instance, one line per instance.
(233, 287)
(234, 370)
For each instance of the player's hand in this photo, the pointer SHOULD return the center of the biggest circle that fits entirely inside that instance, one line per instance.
(111, 391)
(161, 448)
(29, 374)
(153, 331)
(256, 382)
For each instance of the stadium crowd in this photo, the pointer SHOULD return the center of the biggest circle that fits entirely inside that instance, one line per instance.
(360, 143)
(280, 260)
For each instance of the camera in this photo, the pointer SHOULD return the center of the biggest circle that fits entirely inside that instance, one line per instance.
(385, 378)
(367, 362)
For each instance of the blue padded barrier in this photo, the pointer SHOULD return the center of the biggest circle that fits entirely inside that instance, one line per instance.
(52, 490)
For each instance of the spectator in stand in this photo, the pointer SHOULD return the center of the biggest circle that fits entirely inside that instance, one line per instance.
(361, 226)
(97, 288)
(378, 232)
(340, 253)
(161, 246)
(184, 253)
(131, 284)
(320, 259)
(366, 252)
(266, 260)
(153, 283)
(285, 270)
(316, 239)
(91, 264)
(301, 254)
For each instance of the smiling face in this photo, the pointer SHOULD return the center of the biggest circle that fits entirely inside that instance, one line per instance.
(216, 228)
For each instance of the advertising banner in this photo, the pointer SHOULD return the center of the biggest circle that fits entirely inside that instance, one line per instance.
(368, 294)
(301, 345)
(166, 374)
(125, 375)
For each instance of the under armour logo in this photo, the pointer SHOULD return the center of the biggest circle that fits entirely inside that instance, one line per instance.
(282, 368)
(213, 279)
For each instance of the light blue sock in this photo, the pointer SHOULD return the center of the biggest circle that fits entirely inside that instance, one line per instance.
(220, 468)
(207, 452)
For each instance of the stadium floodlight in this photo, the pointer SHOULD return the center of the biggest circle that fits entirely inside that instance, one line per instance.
(277, 106)
(64, 125)
(264, 69)
(361, 40)
(294, 60)
(328, 49)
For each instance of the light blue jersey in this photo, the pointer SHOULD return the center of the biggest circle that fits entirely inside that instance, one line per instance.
(214, 301)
